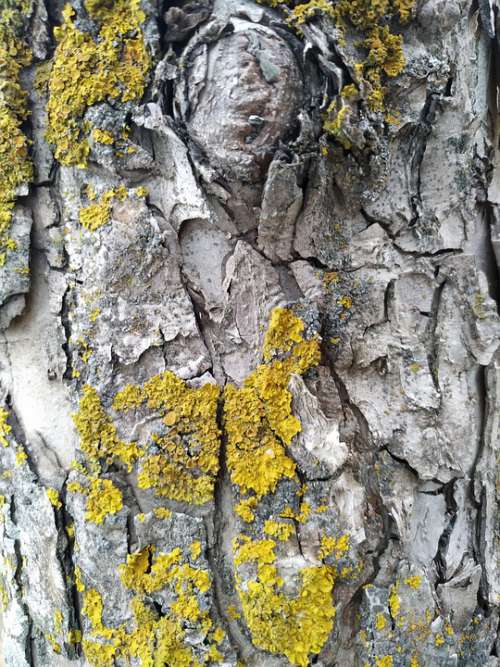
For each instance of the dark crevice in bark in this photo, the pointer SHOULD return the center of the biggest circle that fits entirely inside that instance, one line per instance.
(417, 148)
(492, 270)
(66, 325)
(65, 546)
(404, 462)
(17, 577)
(448, 491)
(432, 356)
(222, 573)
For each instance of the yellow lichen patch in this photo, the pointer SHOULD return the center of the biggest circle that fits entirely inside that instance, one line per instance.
(56, 647)
(414, 582)
(233, 613)
(114, 67)
(103, 136)
(21, 456)
(97, 215)
(79, 585)
(394, 601)
(245, 507)
(53, 496)
(186, 467)
(380, 621)
(128, 398)
(195, 550)
(330, 546)
(94, 314)
(162, 513)
(98, 436)
(258, 417)
(5, 428)
(279, 529)
(285, 329)
(306, 10)
(154, 640)
(296, 627)
(15, 165)
(103, 498)
(384, 661)
(58, 620)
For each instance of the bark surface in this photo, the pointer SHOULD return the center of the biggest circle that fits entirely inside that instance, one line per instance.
(249, 333)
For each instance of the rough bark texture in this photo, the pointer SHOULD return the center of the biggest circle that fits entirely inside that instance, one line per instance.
(179, 487)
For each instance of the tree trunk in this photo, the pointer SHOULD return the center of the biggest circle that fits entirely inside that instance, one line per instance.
(249, 333)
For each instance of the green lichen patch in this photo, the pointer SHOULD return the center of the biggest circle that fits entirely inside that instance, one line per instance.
(113, 68)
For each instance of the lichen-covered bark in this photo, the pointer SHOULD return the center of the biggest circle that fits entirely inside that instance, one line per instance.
(249, 333)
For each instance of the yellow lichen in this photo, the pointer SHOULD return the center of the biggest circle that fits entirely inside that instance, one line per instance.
(53, 496)
(414, 582)
(258, 417)
(296, 627)
(336, 547)
(15, 165)
(103, 498)
(383, 48)
(245, 507)
(21, 456)
(79, 585)
(86, 71)
(98, 436)
(154, 640)
(394, 601)
(384, 661)
(97, 215)
(195, 550)
(380, 621)
(5, 428)
(162, 513)
(285, 329)
(279, 529)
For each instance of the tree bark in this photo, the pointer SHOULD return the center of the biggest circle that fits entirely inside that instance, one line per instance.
(249, 333)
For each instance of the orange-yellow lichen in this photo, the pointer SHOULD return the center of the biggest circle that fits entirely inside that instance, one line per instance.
(86, 71)
(245, 508)
(394, 601)
(21, 456)
(384, 48)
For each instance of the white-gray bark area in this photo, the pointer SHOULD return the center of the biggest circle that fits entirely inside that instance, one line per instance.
(386, 245)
